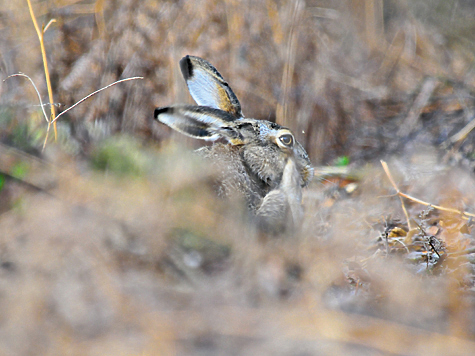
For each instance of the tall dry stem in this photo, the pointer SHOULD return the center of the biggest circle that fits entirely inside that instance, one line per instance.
(40, 34)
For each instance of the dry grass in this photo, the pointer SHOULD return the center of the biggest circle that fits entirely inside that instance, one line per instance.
(113, 242)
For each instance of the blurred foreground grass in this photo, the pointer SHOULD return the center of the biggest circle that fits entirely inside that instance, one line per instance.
(112, 240)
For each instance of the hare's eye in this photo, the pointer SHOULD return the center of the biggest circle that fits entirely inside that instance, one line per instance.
(287, 140)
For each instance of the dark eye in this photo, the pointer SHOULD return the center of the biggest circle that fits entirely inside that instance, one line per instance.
(287, 139)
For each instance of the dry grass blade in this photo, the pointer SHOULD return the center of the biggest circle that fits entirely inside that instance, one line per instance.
(409, 124)
(40, 176)
(99, 14)
(92, 94)
(393, 183)
(464, 214)
(36, 89)
(40, 34)
(289, 67)
(49, 24)
(71, 107)
(463, 133)
(50, 122)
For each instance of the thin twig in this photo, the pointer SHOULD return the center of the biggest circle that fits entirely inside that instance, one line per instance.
(393, 183)
(464, 214)
(463, 133)
(36, 89)
(402, 243)
(50, 122)
(49, 24)
(46, 136)
(88, 96)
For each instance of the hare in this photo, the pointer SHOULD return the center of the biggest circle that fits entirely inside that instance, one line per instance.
(261, 159)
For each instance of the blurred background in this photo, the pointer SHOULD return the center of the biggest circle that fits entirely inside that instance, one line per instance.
(112, 240)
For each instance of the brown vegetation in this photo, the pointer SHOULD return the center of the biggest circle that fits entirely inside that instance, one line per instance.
(112, 241)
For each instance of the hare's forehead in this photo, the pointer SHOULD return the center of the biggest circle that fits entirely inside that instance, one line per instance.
(267, 129)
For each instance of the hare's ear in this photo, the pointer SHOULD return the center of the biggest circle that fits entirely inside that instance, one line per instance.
(207, 86)
(200, 122)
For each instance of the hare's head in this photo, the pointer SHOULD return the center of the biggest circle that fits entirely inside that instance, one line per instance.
(266, 147)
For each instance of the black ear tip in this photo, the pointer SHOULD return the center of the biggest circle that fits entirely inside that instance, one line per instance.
(159, 111)
(186, 67)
